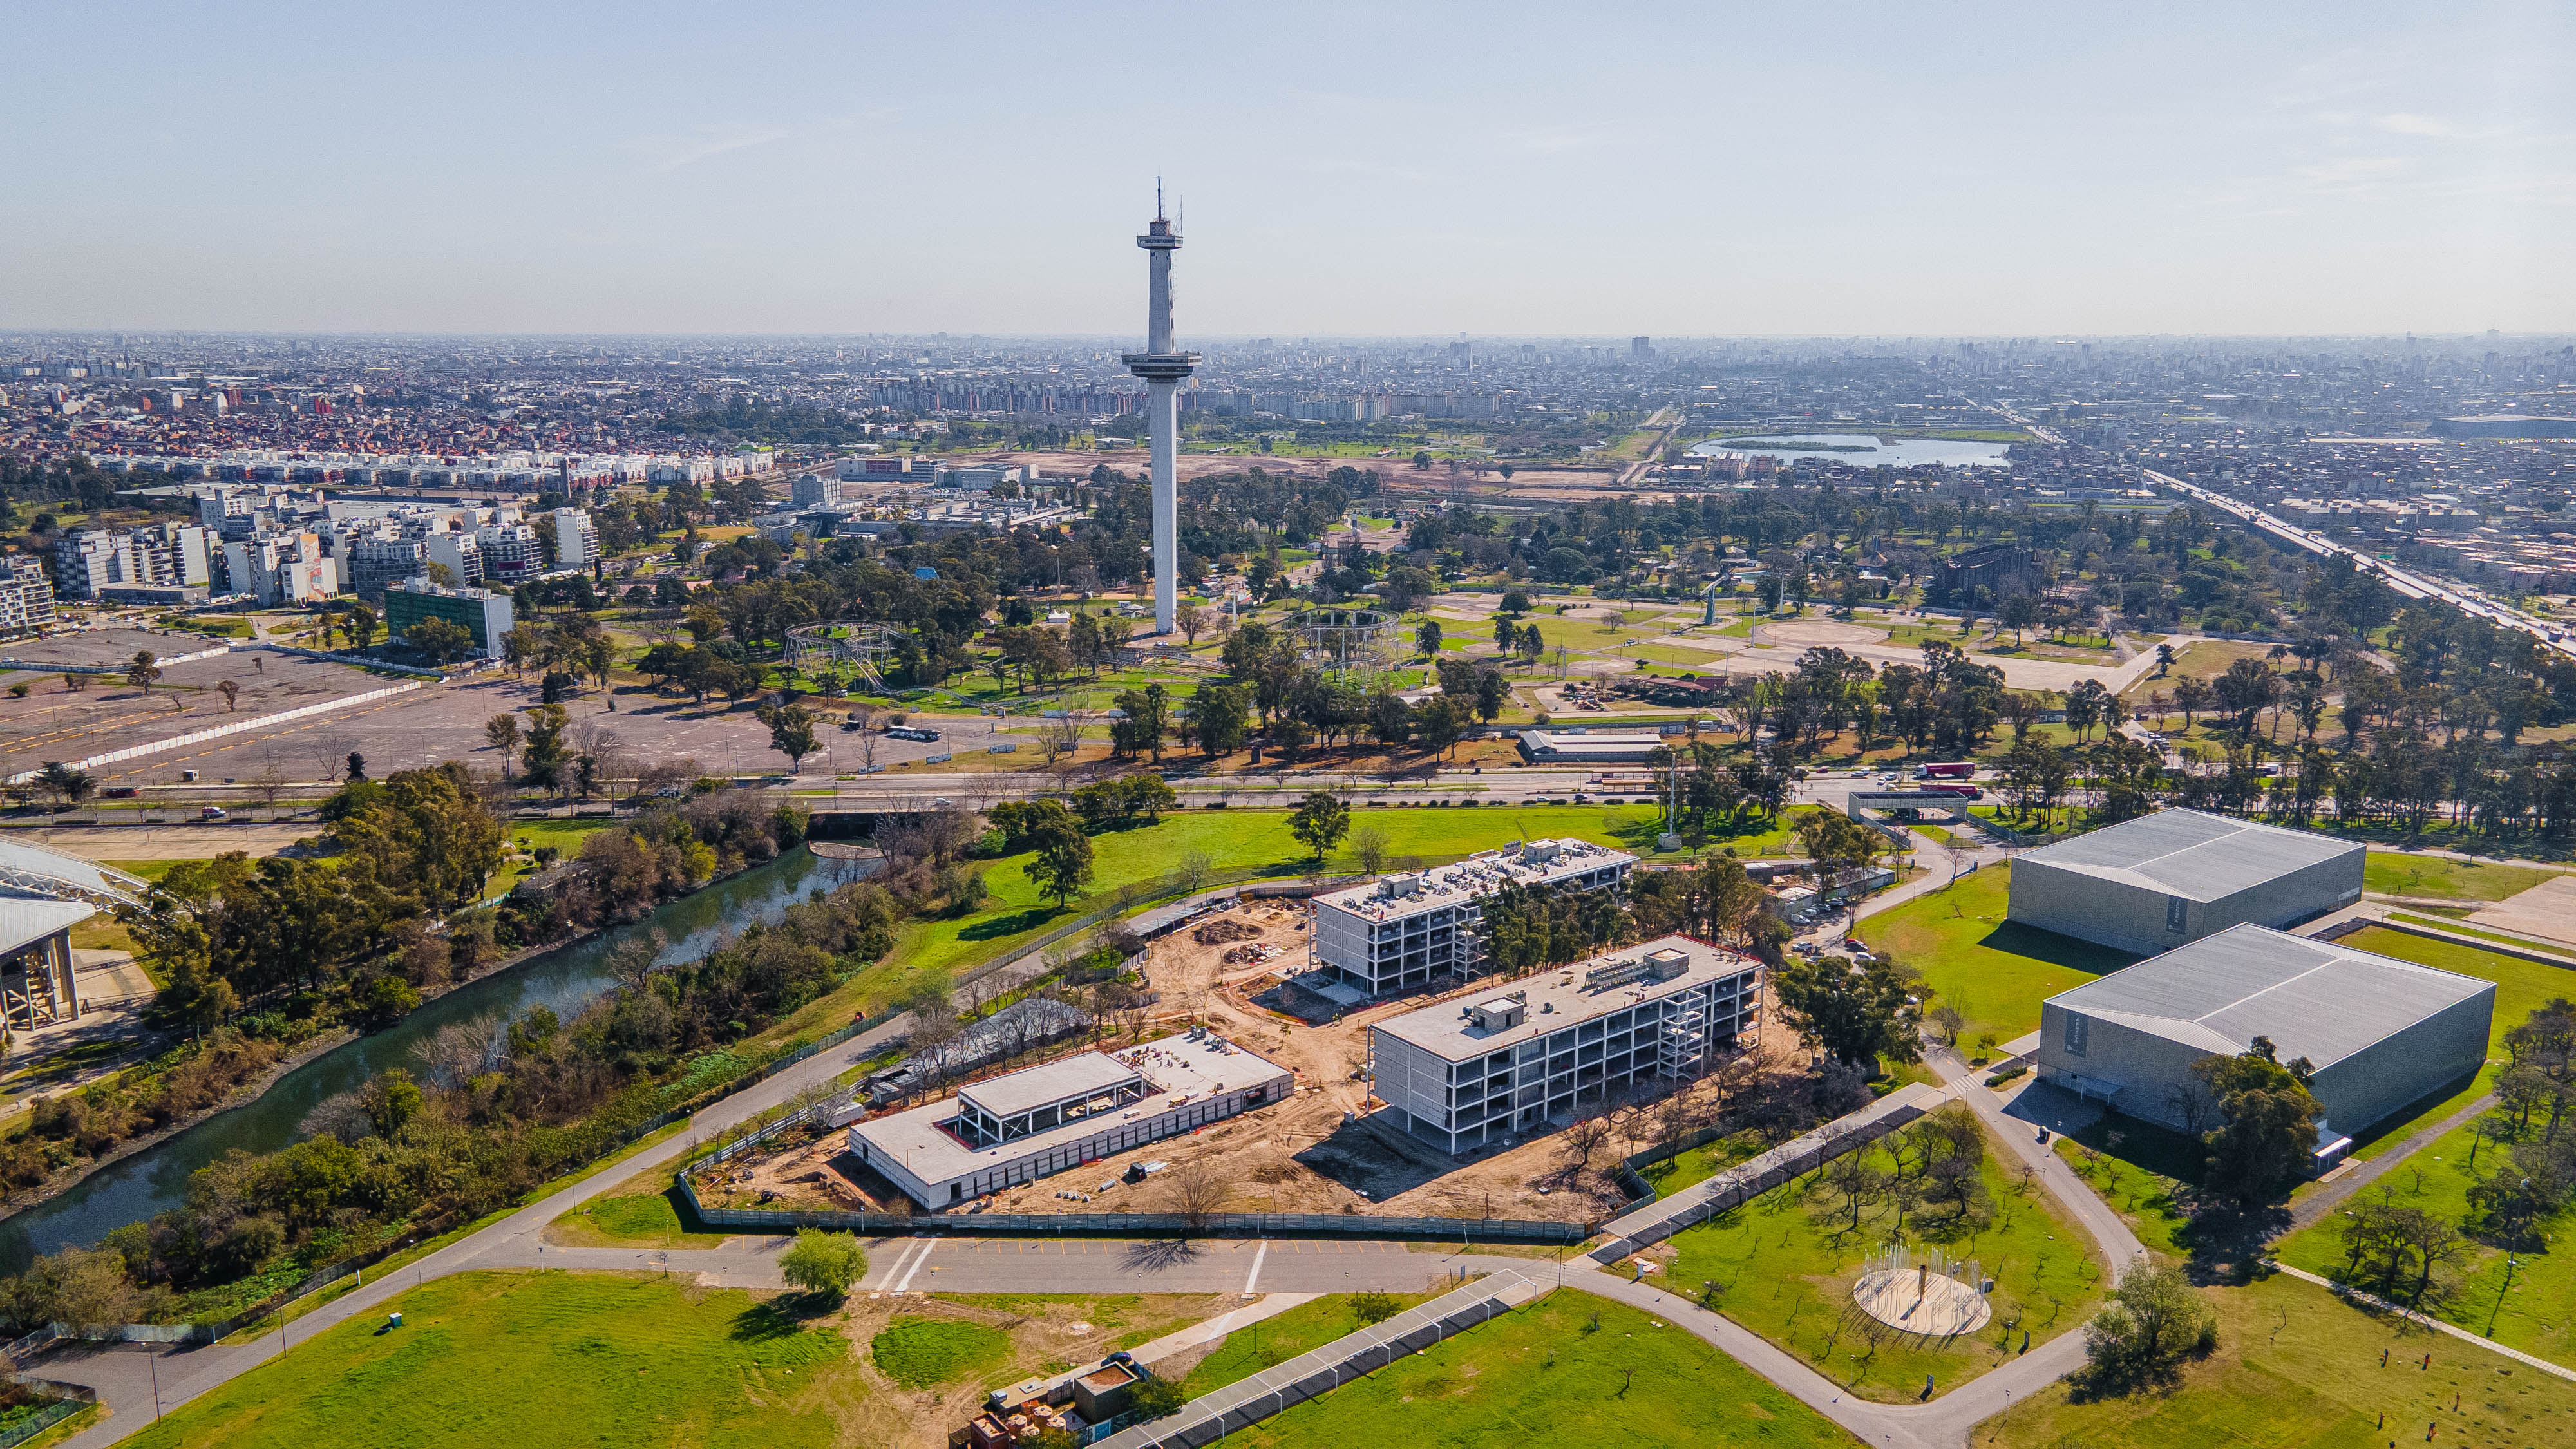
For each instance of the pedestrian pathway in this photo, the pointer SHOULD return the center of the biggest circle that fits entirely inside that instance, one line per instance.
(2379, 1304)
(2331, 1195)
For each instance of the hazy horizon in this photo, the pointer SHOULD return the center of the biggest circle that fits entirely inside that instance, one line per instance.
(1344, 173)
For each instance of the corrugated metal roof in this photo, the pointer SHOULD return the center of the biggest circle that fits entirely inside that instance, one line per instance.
(2314, 999)
(2190, 854)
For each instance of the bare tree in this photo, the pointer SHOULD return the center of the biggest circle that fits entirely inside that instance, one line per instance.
(269, 784)
(1197, 1191)
(1195, 868)
(632, 960)
(1576, 1146)
(1060, 734)
(1369, 845)
(460, 1051)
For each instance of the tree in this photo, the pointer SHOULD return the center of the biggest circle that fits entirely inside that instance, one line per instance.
(390, 1100)
(356, 766)
(1219, 716)
(2267, 1123)
(1198, 1191)
(230, 691)
(2154, 1320)
(1060, 864)
(1320, 823)
(1148, 720)
(1857, 1015)
(826, 1265)
(1156, 1398)
(1191, 618)
(1369, 846)
(360, 626)
(143, 670)
(501, 732)
(1859, 1181)
(1437, 727)
(440, 641)
(64, 785)
(791, 733)
(1374, 1308)
(1426, 638)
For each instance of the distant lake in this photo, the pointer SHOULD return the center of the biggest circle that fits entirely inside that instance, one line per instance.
(1864, 450)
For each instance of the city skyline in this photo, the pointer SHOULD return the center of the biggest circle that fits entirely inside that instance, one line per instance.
(1881, 174)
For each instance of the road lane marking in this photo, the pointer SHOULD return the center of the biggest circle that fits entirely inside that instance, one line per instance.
(926, 1245)
(1255, 1276)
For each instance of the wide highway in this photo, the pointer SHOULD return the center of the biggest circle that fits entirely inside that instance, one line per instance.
(2407, 584)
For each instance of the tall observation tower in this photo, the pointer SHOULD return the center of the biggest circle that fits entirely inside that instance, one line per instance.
(1162, 368)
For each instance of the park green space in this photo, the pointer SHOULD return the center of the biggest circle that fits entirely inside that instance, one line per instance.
(1696, 1165)
(2537, 1314)
(2297, 1366)
(2439, 877)
(1784, 1264)
(1275, 1340)
(1238, 844)
(537, 1360)
(1995, 972)
(1567, 1369)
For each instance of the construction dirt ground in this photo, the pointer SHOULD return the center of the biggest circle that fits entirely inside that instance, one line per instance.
(1318, 1152)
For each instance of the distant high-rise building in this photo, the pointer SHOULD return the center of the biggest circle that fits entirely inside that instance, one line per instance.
(1640, 347)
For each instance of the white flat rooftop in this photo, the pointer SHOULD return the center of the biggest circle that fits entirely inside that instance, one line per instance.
(1448, 1031)
(1539, 862)
(1084, 1074)
(1177, 1068)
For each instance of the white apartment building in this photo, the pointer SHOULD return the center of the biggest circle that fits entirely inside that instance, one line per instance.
(813, 490)
(26, 598)
(282, 568)
(1465, 1073)
(459, 551)
(1407, 929)
(511, 552)
(158, 555)
(576, 539)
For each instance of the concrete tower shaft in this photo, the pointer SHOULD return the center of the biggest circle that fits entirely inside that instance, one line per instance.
(1162, 369)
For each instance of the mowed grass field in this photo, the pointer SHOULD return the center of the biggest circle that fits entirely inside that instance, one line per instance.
(1274, 1341)
(2391, 873)
(2298, 1368)
(1785, 1263)
(536, 1361)
(1996, 972)
(1569, 1369)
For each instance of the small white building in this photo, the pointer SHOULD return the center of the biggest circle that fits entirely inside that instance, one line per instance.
(1028, 1124)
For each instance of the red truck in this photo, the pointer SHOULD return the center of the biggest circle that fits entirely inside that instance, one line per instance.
(1959, 770)
(1963, 791)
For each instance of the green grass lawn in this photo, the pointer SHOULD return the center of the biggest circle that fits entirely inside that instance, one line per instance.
(2463, 928)
(2124, 1176)
(1241, 841)
(644, 1219)
(2296, 1366)
(920, 1353)
(1569, 1369)
(1996, 972)
(2391, 873)
(2538, 1315)
(536, 1360)
(1785, 1262)
(1699, 1164)
(1274, 1341)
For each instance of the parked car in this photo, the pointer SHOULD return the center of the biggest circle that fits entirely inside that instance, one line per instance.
(213, 812)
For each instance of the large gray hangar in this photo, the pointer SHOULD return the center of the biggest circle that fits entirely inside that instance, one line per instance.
(2167, 879)
(2379, 1032)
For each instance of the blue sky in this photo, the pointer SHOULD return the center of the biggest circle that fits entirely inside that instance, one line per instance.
(1363, 170)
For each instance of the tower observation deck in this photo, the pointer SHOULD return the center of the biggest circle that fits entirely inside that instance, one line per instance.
(1162, 369)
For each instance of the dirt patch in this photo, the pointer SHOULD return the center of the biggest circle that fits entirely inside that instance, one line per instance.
(1816, 631)
(1224, 929)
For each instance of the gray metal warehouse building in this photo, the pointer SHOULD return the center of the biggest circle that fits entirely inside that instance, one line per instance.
(2379, 1032)
(2167, 879)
